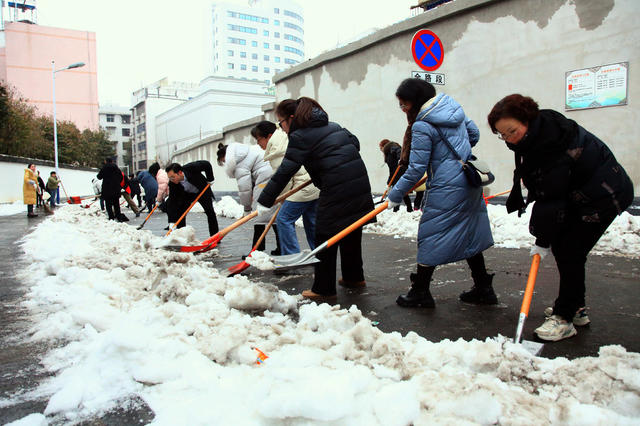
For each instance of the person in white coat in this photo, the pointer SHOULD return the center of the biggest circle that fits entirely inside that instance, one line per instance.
(246, 164)
(303, 203)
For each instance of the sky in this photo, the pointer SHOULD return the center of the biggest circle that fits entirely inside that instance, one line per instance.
(122, 322)
(142, 41)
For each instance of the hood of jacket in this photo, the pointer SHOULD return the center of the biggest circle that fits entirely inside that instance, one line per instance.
(236, 152)
(277, 145)
(318, 118)
(442, 111)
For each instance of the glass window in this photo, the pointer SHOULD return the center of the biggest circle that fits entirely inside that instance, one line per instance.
(276, 10)
(276, 22)
(230, 66)
(266, 70)
(243, 54)
(293, 15)
(142, 164)
(254, 56)
(243, 67)
(254, 44)
(277, 59)
(266, 58)
(126, 119)
(276, 46)
(265, 45)
(293, 50)
(254, 68)
(126, 132)
(276, 35)
(265, 33)
(229, 52)
(293, 26)
(110, 118)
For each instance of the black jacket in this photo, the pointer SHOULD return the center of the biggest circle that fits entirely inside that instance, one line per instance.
(569, 173)
(392, 152)
(111, 180)
(135, 186)
(193, 173)
(331, 156)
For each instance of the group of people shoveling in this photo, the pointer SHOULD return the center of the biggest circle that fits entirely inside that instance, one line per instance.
(573, 180)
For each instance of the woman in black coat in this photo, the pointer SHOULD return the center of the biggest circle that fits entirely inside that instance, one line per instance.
(331, 155)
(578, 188)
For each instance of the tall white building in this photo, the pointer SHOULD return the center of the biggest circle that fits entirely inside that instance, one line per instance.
(256, 41)
(116, 121)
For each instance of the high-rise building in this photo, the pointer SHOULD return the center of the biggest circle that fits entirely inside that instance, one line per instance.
(256, 41)
(116, 121)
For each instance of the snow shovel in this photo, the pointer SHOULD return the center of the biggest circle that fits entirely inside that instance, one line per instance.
(186, 211)
(306, 258)
(236, 269)
(534, 347)
(74, 199)
(148, 216)
(86, 206)
(389, 185)
(213, 241)
(486, 199)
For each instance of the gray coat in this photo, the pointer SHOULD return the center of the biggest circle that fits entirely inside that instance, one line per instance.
(455, 224)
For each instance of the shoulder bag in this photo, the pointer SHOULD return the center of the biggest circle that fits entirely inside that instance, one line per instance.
(476, 171)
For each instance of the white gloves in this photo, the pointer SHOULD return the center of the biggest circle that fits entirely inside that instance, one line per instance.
(262, 209)
(245, 213)
(392, 205)
(542, 251)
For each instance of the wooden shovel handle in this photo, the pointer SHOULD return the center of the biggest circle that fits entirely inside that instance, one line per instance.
(364, 219)
(190, 207)
(266, 229)
(390, 184)
(531, 282)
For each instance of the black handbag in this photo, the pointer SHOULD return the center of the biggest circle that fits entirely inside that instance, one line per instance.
(476, 171)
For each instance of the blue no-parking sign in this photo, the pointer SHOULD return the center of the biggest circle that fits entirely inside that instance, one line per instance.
(427, 50)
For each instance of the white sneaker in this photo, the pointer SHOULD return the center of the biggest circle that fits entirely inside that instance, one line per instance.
(580, 319)
(555, 328)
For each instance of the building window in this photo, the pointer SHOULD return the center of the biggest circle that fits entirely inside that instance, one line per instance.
(266, 58)
(247, 17)
(254, 56)
(230, 66)
(276, 35)
(293, 38)
(265, 45)
(126, 132)
(142, 165)
(276, 46)
(242, 29)
(254, 68)
(243, 54)
(293, 15)
(266, 70)
(141, 128)
(277, 59)
(229, 52)
(293, 50)
(277, 70)
(254, 44)
(293, 26)
(142, 146)
(276, 10)
(265, 33)
(243, 67)
(234, 40)
(290, 61)
(110, 118)
(126, 119)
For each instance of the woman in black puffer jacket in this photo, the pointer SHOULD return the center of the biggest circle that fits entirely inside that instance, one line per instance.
(578, 188)
(331, 155)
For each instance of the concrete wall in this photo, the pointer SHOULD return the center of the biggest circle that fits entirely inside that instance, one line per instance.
(77, 181)
(492, 48)
(207, 149)
(29, 50)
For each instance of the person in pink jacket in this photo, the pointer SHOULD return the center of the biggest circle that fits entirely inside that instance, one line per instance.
(163, 185)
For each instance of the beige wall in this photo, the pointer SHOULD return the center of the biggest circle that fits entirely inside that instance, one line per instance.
(29, 50)
(492, 48)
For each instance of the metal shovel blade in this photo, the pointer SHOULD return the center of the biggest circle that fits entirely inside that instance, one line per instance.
(293, 261)
(533, 348)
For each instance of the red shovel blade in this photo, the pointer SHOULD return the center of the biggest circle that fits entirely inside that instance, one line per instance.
(236, 269)
(74, 200)
(206, 245)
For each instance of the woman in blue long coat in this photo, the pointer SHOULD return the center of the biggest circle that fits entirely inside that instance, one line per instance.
(454, 224)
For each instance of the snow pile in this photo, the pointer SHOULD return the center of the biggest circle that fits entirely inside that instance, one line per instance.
(228, 207)
(510, 231)
(13, 208)
(260, 260)
(131, 320)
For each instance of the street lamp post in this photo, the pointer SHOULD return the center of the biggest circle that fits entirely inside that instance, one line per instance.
(55, 124)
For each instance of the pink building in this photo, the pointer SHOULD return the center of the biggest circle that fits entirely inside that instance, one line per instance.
(26, 52)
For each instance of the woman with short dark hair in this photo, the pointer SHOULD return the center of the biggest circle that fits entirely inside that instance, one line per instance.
(578, 188)
(454, 224)
(331, 156)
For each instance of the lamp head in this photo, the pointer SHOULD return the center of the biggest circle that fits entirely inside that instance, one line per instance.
(76, 65)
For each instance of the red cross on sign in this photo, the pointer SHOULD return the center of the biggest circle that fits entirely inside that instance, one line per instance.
(427, 50)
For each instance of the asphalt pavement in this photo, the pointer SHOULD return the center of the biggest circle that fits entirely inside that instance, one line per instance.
(612, 299)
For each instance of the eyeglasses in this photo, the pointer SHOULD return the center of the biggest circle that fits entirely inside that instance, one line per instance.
(503, 136)
(402, 106)
(281, 121)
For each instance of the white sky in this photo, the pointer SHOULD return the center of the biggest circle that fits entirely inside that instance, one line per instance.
(142, 41)
(125, 320)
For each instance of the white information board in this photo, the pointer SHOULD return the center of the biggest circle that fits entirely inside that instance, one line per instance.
(597, 87)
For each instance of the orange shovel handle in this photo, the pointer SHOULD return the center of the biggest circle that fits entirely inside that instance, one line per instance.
(384, 194)
(364, 219)
(531, 282)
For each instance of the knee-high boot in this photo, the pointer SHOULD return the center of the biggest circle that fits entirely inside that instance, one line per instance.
(419, 294)
(257, 231)
(277, 250)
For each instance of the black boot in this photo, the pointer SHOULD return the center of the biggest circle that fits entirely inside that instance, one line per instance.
(277, 250)
(481, 293)
(257, 231)
(419, 295)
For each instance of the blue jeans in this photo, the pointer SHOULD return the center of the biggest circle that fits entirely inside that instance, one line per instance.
(286, 221)
(52, 199)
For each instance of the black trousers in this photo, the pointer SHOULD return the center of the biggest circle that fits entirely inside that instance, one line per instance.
(475, 262)
(570, 250)
(178, 204)
(324, 281)
(112, 204)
